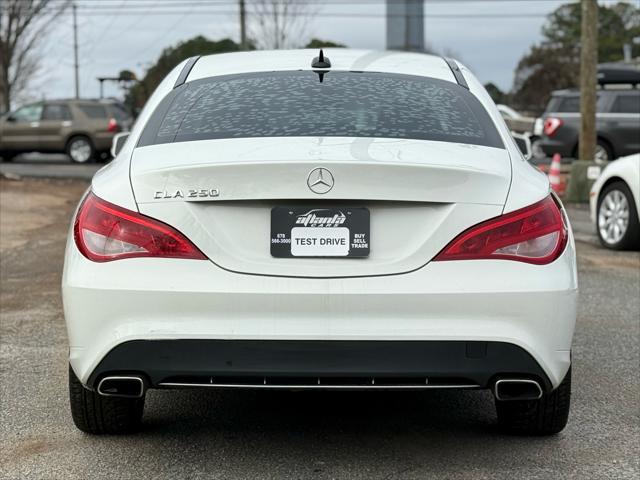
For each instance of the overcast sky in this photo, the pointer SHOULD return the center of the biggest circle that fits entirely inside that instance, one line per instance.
(130, 34)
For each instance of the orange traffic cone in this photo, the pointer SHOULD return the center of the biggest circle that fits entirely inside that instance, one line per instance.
(555, 179)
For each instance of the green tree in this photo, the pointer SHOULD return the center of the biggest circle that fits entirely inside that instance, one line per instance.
(317, 43)
(497, 95)
(127, 76)
(555, 62)
(169, 58)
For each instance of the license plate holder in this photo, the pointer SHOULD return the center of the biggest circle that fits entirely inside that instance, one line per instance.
(327, 232)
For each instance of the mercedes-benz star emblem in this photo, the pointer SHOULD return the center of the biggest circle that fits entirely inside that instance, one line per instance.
(320, 180)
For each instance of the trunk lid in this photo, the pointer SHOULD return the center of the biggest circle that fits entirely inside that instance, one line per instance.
(420, 195)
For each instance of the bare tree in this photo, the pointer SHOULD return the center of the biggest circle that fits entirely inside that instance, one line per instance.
(275, 24)
(23, 25)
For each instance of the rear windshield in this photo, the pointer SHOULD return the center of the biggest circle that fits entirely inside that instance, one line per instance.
(345, 104)
(629, 103)
(118, 112)
(93, 111)
(570, 104)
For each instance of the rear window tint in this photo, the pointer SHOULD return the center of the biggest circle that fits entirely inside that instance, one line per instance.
(118, 112)
(346, 104)
(626, 104)
(56, 112)
(569, 105)
(93, 111)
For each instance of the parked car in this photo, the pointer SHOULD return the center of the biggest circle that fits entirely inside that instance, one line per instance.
(617, 119)
(538, 129)
(83, 129)
(615, 203)
(521, 124)
(276, 220)
(515, 121)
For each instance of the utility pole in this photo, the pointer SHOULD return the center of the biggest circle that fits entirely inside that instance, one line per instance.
(75, 49)
(243, 26)
(405, 25)
(407, 29)
(588, 79)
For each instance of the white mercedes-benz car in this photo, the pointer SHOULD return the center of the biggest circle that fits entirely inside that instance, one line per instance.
(615, 203)
(360, 220)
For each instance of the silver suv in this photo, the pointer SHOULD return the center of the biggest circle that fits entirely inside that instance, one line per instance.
(83, 129)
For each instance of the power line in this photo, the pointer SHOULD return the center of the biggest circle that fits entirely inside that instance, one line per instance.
(226, 3)
(104, 30)
(334, 2)
(85, 4)
(155, 40)
(331, 14)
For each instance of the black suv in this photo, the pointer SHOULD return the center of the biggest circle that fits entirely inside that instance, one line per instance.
(617, 122)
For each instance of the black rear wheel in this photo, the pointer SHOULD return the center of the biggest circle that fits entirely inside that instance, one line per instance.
(94, 413)
(80, 149)
(545, 416)
(604, 152)
(7, 156)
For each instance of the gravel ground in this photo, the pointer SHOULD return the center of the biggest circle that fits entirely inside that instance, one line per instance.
(208, 434)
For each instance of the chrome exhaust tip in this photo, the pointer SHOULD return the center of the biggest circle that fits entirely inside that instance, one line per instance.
(517, 389)
(122, 386)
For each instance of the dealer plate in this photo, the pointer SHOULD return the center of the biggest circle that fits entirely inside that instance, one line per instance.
(319, 232)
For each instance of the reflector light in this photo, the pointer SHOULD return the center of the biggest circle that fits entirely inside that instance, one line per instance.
(113, 126)
(534, 234)
(104, 232)
(551, 126)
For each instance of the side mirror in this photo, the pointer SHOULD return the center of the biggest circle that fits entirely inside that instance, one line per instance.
(119, 139)
(11, 119)
(524, 144)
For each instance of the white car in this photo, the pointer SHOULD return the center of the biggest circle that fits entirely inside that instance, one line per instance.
(527, 126)
(615, 203)
(362, 220)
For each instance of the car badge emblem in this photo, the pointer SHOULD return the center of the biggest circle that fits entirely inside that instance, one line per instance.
(320, 180)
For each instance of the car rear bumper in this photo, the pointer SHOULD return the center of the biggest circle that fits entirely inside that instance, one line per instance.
(318, 363)
(102, 141)
(550, 147)
(532, 307)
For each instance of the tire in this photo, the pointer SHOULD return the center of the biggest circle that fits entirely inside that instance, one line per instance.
(7, 156)
(80, 149)
(104, 156)
(96, 414)
(546, 416)
(536, 148)
(614, 204)
(604, 152)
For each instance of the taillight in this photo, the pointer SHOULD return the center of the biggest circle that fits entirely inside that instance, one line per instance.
(113, 126)
(105, 232)
(551, 126)
(534, 234)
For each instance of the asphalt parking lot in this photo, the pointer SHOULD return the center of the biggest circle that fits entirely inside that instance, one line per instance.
(209, 434)
(48, 166)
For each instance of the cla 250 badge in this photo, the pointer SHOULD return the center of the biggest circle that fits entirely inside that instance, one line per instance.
(191, 193)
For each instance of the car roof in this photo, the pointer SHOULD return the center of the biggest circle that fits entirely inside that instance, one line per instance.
(342, 59)
(574, 92)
